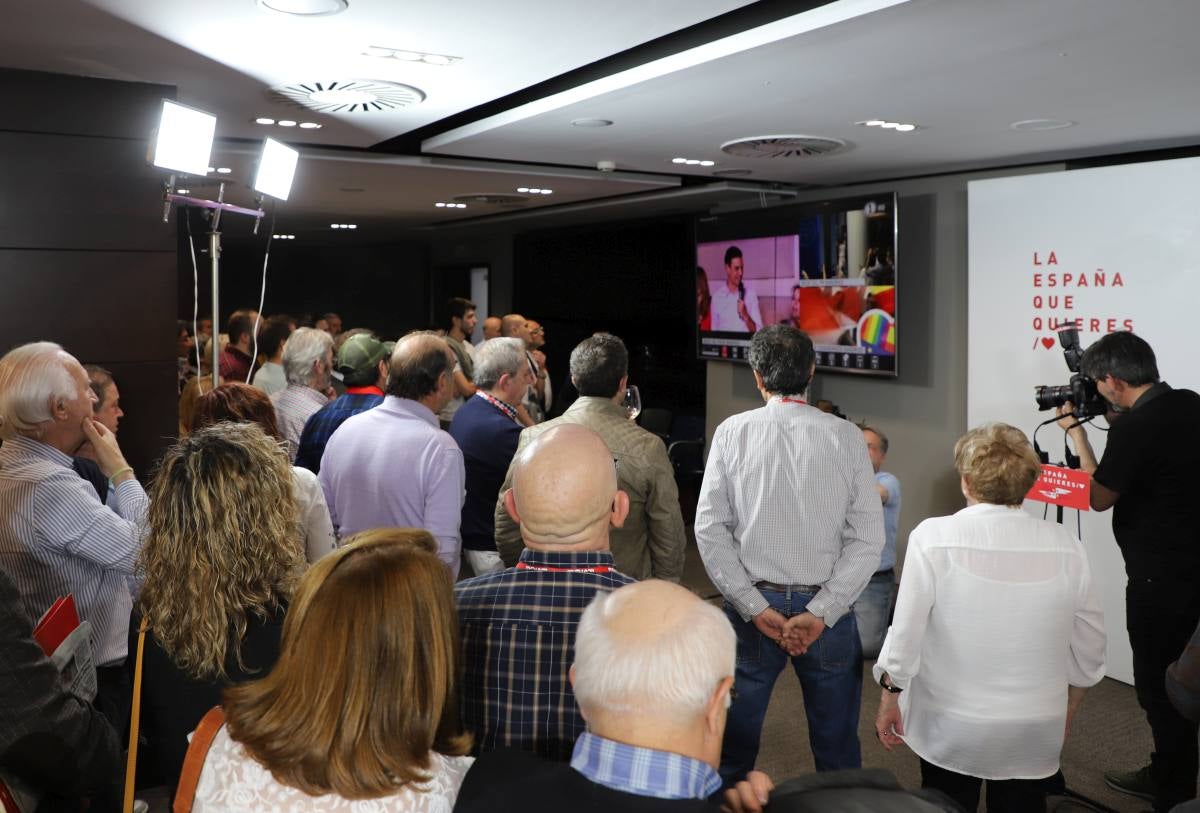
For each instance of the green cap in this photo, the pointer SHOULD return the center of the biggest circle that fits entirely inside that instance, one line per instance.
(358, 359)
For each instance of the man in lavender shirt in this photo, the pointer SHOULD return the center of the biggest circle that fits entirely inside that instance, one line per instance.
(392, 465)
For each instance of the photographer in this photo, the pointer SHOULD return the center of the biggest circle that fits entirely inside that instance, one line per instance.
(1147, 473)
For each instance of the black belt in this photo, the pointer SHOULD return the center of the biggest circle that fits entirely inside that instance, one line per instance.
(788, 588)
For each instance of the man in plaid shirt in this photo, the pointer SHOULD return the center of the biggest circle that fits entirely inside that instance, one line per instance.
(518, 625)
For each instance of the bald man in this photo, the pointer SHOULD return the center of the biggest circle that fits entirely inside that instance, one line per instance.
(518, 625)
(653, 673)
(491, 329)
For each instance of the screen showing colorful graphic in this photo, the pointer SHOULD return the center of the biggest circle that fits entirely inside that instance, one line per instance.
(828, 268)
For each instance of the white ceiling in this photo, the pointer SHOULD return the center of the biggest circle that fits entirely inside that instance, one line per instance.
(963, 70)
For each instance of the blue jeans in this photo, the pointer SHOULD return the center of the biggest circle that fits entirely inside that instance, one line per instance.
(871, 611)
(830, 676)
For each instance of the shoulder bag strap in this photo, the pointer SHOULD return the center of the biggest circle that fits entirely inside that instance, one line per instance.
(135, 716)
(193, 763)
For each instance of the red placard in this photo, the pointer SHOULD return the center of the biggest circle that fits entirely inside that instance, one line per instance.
(1070, 488)
(58, 622)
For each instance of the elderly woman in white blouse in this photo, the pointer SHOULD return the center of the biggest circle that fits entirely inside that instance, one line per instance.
(996, 636)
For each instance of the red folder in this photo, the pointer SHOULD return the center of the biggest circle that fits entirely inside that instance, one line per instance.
(57, 623)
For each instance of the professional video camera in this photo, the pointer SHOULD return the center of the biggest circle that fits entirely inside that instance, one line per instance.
(1081, 391)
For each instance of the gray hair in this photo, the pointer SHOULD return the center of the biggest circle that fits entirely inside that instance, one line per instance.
(34, 378)
(784, 357)
(671, 673)
(305, 348)
(495, 357)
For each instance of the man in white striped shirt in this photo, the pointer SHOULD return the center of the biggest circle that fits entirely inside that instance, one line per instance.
(790, 528)
(56, 537)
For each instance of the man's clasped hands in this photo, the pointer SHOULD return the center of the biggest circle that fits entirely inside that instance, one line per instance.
(794, 635)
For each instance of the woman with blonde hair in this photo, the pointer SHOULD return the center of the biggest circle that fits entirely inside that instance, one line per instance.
(362, 704)
(997, 634)
(218, 566)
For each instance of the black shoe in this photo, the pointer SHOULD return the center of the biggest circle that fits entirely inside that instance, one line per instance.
(1138, 783)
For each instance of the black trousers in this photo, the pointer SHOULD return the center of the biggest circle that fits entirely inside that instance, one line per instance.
(1006, 796)
(1161, 615)
(114, 696)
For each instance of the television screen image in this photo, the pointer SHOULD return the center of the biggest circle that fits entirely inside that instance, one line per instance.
(828, 268)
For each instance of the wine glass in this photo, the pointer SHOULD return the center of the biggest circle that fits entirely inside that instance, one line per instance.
(633, 402)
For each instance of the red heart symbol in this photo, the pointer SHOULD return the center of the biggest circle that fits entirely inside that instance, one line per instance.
(1047, 343)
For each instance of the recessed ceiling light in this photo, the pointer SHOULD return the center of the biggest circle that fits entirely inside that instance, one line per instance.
(440, 205)
(591, 123)
(1041, 124)
(691, 162)
(887, 125)
(535, 190)
(708, 163)
(286, 123)
(305, 8)
(547, 191)
(460, 205)
(522, 188)
(352, 226)
(309, 125)
(183, 191)
(212, 169)
(335, 225)
(264, 120)
(224, 170)
(406, 55)
(342, 96)
(678, 160)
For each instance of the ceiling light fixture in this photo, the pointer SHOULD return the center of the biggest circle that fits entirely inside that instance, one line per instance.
(284, 236)
(264, 120)
(887, 125)
(343, 225)
(286, 123)
(224, 170)
(184, 191)
(408, 55)
(305, 8)
(591, 123)
(309, 125)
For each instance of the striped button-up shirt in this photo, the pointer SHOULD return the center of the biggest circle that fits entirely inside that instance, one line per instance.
(518, 638)
(56, 537)
(294, 405)
(643, 771)
(789, 497)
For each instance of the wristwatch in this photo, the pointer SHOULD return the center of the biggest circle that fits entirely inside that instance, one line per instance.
(887, 684)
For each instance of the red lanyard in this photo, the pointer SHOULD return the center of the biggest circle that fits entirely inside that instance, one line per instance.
(498, 404)
(783, 399)
(540, 569)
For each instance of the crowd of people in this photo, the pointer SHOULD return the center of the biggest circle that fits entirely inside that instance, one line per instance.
(374, 570)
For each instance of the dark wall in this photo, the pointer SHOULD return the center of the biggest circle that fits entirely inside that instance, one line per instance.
(635, 280)
(381, 286)
(85, 259)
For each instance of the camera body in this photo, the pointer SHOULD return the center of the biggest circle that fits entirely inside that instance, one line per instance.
(1080, 391)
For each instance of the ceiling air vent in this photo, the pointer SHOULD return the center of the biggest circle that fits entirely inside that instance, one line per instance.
(491, 198)
(348, 96)
(783, 146)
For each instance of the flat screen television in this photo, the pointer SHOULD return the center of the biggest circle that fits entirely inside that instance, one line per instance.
(828, 268)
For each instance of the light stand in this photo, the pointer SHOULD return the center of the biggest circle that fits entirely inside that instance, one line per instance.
(183, 144)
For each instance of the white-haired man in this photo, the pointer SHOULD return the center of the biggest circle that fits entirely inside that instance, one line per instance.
(56, 537)
(653, 673)
(487, 429)
(308, 364)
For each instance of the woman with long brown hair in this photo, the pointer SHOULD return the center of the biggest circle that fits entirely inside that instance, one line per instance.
(362, 703)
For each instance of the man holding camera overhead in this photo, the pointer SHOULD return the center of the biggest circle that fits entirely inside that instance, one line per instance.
(1147, 474)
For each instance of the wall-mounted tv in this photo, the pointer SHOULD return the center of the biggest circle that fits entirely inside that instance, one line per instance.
(829, 268)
